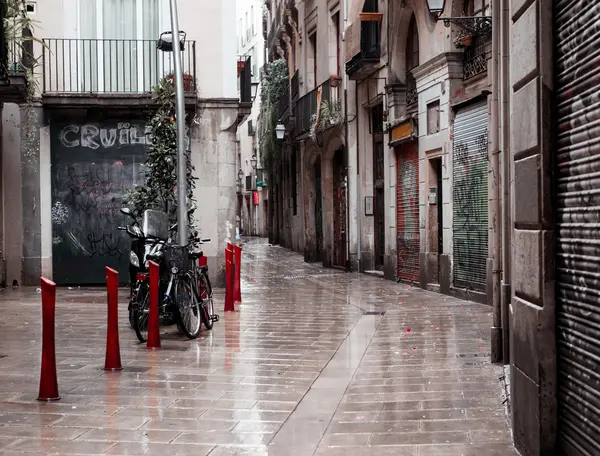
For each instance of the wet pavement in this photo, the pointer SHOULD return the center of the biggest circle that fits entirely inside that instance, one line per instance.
(316, 362)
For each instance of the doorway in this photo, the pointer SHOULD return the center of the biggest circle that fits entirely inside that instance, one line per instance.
(318, 211)
(435, 233)
(339, 209)
(378, 186)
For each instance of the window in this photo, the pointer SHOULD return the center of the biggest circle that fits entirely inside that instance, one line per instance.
(248, 35)
(253, 20)
(117, 45)
(241, 36)
(412, 46)
(477, 8)
(337, 36)
(313, 54)
(433, 117)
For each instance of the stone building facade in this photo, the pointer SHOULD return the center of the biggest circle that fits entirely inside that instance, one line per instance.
(76, 145)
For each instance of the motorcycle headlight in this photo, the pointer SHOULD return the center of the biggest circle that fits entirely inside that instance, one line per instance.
(174, 270)
(133, 259)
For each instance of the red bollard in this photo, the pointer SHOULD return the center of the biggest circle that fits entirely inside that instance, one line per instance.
(237, 288)
(229, 281)
(153, 328)
(48, 381)
(112, 362)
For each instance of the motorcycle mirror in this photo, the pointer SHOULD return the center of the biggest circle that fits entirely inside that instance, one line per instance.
(126, 211)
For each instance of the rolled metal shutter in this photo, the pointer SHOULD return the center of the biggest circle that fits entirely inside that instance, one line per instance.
(577, 193)
(407, 221)
(470, 196)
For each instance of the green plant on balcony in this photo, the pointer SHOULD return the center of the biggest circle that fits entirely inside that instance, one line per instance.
(274, 84)
(18, 58)
(330, 115)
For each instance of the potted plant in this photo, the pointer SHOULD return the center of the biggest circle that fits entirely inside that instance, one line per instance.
(462, 39)
(188, 81)
(335, 80)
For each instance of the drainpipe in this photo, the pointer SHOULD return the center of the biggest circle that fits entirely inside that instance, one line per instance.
(495, 209)
(347, 148)
(358, 211)
(506, 180)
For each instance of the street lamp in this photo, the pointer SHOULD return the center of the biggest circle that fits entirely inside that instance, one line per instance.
(166, 43)
(436, 7)
(280, 131)
(254, 90)
(253, 161)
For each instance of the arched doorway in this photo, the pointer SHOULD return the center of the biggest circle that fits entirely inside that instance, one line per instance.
(318, 210)
(339, 208)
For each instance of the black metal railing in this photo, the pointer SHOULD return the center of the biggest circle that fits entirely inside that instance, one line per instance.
(412, 96)
(295, 84)
(283, 104)
(276, 24)
(475, 58)
(306, 106)
(111, 66)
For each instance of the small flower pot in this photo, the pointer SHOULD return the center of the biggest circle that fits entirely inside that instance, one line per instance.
(335, 80)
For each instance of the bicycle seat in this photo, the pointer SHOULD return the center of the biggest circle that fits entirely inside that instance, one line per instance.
(154, 256)
(196, 255)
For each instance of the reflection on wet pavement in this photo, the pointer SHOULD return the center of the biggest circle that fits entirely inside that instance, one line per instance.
(315, 362)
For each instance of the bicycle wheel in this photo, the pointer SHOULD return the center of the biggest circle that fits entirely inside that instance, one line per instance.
(141, 312)
(206, 296)
(188, 307)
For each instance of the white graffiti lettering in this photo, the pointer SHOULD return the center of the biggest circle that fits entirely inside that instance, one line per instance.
(94, 137)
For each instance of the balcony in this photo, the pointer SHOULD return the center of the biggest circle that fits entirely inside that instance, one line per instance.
(283, 106)
(475, 59)
(362, 63)
(75, 71)
(13, 64)
(295, 84)
(306, 107)
(412, 96)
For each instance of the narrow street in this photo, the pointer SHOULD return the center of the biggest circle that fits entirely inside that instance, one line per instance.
(316, 362)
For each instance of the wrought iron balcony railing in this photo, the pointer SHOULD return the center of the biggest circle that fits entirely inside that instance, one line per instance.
(475, 59)
(306, 106)
(412, 96)
(107, 66)
(283, 105)
(370, 47)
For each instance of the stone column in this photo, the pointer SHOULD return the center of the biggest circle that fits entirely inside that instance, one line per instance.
(532, 319)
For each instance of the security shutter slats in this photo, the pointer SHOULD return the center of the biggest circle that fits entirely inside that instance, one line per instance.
(407, 222)
(470, 197)
(577, 213)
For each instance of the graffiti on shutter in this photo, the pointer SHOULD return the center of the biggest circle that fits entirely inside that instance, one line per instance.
(470, 197)
(577, 215)
(407, 224)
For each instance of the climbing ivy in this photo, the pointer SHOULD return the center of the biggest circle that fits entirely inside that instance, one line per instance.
(274, 84)
(158, 190)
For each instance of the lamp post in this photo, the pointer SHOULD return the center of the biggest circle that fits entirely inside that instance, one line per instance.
(254, 161)
(168, 43)
(280, 131)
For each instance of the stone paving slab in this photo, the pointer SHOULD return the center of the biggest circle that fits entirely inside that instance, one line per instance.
(314, 363)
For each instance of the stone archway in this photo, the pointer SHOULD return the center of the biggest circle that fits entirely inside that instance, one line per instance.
(332, 174)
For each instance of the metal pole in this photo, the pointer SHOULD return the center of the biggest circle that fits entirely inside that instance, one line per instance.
(182, 229)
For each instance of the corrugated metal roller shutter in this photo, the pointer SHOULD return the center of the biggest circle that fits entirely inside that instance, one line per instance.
(577, 193)
(407, 224)
(470, 196)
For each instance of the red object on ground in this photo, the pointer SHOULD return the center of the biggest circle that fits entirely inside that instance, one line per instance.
(112, 361)
(48, 381)
(237, 288)
(153, 329)
(229, 278)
